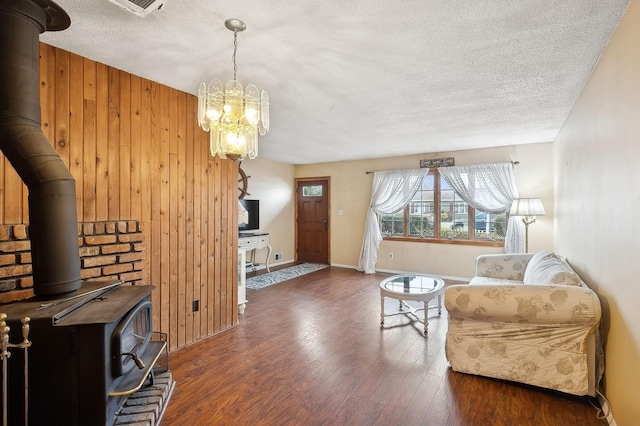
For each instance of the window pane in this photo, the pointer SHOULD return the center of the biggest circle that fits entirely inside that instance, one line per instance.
(312, 191)
(454, 213)
(392, 224)
(421, 208)
(490, 226)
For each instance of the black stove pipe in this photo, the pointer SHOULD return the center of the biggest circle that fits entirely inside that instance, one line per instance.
(53, 223)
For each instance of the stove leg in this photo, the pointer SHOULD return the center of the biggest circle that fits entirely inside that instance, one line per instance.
(152, 378)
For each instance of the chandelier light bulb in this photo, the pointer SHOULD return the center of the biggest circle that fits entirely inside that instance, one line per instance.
(213, 114)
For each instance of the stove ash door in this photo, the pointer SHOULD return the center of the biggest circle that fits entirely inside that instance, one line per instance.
(130, 339)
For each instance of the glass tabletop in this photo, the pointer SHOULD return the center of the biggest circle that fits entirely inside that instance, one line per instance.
(412, 284)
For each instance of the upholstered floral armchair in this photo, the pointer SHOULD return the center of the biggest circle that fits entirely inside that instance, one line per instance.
(540, 334)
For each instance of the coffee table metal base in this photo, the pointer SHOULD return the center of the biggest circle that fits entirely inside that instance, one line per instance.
(411, 311)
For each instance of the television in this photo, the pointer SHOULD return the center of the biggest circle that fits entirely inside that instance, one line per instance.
(248, 214)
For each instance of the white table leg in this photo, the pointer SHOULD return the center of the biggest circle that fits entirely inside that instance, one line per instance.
(381, 311)
(268, 257)
(426, 310)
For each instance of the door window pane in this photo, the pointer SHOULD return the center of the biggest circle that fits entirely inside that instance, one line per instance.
(312, 191)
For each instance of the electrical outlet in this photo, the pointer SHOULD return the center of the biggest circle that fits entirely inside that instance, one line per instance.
(195, 306)
(390, 255)
(278, 256)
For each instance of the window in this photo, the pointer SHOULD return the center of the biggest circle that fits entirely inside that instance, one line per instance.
(437, 213)
(312, 191)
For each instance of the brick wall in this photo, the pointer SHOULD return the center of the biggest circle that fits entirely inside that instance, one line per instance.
(108, 250)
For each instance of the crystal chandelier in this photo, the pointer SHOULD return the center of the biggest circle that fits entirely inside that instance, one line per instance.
(233, 115)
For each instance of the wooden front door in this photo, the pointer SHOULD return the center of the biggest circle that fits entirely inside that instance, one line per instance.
(312, 213)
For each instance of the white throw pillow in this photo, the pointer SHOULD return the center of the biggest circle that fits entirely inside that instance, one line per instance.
(547, 268)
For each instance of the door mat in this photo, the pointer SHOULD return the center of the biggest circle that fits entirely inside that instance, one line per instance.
(275, 277)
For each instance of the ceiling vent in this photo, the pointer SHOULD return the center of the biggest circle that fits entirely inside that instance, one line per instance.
(140, 7)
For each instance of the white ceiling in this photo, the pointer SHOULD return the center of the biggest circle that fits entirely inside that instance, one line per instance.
(358, 79)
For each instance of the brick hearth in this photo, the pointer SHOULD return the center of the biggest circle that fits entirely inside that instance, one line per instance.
(146, 406)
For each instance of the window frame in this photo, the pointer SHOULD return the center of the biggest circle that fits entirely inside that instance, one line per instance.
(436, 238)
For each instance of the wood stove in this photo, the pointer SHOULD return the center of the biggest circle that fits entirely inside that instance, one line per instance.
(89, 352)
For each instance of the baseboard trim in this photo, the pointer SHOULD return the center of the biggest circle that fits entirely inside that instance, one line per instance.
(393, 271)
(444, 277)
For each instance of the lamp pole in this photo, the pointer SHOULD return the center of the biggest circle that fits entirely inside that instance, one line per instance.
(527, 222)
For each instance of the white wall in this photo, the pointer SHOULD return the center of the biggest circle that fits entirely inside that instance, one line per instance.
(271, 182)
(598, 200)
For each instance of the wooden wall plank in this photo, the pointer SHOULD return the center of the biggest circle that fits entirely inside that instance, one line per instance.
(159, 303)
(184, 306)
(145, 185)
(13, 195)
(200, 285)
(165, 205)
(189, 215)
(215, 244)
(60, 139)
(102, 142)
(47, 89)
(146, 157)
(113, 144)
(176, 307)
(176, 310)
(229, 298)
(124, 176)
(206, 285)
(135, 149)
(89, 139)
(76, 124)
(230, 234)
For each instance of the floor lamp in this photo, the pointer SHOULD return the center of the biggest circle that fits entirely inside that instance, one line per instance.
(528, 208)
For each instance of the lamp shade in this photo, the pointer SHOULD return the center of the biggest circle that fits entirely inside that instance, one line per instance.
(527, 207)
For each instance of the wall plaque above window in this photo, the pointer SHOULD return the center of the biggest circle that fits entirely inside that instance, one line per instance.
(437, 162)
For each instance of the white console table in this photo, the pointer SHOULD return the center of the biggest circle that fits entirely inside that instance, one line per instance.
(249, 242)
(252, 242)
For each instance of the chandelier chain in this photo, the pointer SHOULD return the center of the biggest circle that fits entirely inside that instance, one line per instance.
(235, 49)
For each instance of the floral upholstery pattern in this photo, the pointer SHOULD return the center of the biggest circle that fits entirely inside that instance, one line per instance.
(509, 267)
(539, 334)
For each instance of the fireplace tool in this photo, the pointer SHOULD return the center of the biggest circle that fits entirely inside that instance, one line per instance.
(5, 354)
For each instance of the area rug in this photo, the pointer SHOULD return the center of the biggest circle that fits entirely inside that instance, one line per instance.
(275, 277)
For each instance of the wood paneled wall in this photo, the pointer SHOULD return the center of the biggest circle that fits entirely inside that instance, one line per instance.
(137, 153)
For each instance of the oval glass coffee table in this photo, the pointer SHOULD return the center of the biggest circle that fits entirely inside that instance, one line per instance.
(416, 287)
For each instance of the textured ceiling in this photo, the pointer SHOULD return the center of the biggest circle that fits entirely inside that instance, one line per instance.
(357, 79)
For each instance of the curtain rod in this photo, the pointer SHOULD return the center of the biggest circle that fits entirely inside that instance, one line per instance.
(368, 172)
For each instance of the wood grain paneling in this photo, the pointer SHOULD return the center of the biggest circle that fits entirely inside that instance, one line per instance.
(136, 153)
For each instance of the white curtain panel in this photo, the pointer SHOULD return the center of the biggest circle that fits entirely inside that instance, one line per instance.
(391, 192)
(490, 188)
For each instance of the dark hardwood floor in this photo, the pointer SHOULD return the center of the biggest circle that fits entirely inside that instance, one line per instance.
(310, 351)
